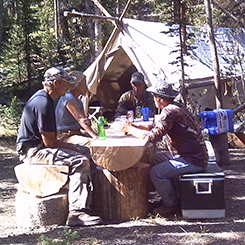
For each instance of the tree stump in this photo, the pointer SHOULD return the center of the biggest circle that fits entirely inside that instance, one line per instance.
(39, 201)
(41, 180)
(122, 195)
(32, 211)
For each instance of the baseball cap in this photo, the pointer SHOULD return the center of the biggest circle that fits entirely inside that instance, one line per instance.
(163, 89)
(137, 77)
(58, 73)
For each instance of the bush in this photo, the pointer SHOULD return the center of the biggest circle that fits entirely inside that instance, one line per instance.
(10, 115)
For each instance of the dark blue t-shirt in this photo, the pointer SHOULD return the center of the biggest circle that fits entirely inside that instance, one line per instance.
(38, 116)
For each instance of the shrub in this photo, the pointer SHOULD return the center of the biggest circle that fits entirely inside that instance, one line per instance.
(10, 115)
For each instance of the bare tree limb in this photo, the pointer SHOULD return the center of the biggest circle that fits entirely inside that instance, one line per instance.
(241, 24)
(89, 16)
(102, 9)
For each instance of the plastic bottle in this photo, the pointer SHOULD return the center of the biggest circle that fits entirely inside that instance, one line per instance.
(101, 129)
(138, 112)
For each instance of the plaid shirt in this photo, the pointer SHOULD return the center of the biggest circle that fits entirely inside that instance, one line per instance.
(181, 133)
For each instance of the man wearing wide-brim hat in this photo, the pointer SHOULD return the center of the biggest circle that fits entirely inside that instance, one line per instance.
(178, 126)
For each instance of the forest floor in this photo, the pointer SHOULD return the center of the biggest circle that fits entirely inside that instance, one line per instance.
(152, 230)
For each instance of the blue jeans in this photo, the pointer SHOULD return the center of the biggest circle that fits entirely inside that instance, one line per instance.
(163, 173)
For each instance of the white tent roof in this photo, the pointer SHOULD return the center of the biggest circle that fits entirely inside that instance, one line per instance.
(160, 47)
(151, 51)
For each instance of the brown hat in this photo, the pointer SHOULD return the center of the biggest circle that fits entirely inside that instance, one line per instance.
(58, 73)
(137, 77)
(163, 89)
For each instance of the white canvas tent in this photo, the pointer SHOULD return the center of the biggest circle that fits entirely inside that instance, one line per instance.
(143, 46)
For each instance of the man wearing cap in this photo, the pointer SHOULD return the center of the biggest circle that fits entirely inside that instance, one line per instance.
(137, 97)
(183, 135)
(37, 144)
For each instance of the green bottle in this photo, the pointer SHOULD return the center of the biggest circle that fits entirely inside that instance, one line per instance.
(101, 129)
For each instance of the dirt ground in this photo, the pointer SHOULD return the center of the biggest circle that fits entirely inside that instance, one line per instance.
(153, 230)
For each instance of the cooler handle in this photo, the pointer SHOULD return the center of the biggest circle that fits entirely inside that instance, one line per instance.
(208, 191)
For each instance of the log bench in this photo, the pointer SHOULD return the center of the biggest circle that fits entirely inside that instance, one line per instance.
(41, 198)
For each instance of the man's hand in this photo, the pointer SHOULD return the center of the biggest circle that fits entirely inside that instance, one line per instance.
(126, 126)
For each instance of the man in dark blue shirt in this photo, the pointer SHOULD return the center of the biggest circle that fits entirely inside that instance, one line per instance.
(37, 143)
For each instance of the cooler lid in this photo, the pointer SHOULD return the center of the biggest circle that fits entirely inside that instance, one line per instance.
(216, 175)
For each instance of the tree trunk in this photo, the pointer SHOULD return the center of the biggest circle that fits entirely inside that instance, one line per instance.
(90, 31)
(56, 19)
(183, 48)
(98, 33)
(62, 24)
(219, 142)
(214, 54)
(1, 25)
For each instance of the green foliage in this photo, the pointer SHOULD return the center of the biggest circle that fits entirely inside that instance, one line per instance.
(66, 237)
(30, 43)
(10, 115)
(14, 59)
(163, 12)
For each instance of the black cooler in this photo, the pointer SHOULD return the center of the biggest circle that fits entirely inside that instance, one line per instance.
(202, 195)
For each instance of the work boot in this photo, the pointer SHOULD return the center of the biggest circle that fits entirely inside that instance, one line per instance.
(155, 204)
(166, 211)
(83, 219)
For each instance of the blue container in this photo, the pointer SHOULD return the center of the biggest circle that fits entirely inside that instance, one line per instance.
(218, 121)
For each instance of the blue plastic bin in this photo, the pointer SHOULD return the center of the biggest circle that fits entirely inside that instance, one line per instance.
(217, 121)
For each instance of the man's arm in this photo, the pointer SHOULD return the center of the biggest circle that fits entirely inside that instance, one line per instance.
(79, 115)
(123, 105)
(49, 140)
(137, 132)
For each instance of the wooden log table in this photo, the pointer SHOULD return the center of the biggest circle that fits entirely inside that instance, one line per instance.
(121, 186)
(118, 151)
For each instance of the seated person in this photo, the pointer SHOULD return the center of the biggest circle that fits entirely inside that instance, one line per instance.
(182, 134)
(138, 96)
(70, 116)
(37, 143)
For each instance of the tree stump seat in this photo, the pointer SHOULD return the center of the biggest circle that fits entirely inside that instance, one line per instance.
(33, 211)
(41, 198)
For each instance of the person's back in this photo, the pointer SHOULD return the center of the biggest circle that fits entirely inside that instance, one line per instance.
(183, 136)
(39, 107)
(73, 124)
(64, 119)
